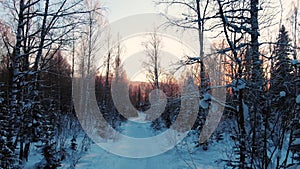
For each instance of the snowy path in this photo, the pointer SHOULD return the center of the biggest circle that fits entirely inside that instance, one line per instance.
(97, 158)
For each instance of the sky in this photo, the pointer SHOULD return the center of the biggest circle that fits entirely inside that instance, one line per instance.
(122, 8)
(118, 9)
(134, 57)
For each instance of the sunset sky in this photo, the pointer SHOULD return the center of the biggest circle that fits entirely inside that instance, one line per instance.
(121, 8)
(118, 9)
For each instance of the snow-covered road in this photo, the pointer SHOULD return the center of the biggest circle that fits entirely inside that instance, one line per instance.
(176, 158)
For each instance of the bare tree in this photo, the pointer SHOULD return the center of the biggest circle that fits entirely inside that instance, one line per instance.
(153, 52)
(241, 28)
(41, 29)
(230, 26)
(195, 15)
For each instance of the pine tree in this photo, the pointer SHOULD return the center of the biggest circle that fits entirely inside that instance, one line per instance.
(7, 130)
(282, 69)
(281, 85)
(7, 156)
(281, 93)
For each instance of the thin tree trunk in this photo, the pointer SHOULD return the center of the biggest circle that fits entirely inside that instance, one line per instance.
(16, 60)
(256, 73)
(43, 35)
(15, 93)
(106, 93)
(295, 29)
(156, 83)
(26, 150)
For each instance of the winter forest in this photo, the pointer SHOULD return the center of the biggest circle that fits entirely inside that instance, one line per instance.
(76, 93)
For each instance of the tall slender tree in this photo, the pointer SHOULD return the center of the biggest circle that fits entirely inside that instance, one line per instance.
(153, 52)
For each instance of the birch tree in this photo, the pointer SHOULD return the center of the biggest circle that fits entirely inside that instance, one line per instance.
(194, 16)
(41, 28)
(240, 19)
(241, 27)
(153, 48)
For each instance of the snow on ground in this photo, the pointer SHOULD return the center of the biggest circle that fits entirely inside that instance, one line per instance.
(176, 158)
(183, 156)
(33, 158)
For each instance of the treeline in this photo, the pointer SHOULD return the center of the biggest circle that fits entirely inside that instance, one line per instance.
(260, 74)
(45, 45)
(36, 81)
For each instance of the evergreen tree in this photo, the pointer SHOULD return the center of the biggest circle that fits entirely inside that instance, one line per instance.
(281, 85)
(281, 94)
(6, 143)
(7, 130)
(281, 72)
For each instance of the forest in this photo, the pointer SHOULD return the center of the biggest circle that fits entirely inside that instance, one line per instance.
(78, 92)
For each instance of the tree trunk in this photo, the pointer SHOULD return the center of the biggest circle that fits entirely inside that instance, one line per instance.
(257, 80)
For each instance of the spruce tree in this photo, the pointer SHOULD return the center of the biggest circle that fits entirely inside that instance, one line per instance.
(8, 159)
(281, 85)
(282, 69)
(281, 92)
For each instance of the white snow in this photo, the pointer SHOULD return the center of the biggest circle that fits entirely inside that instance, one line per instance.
(34, 158)
(238, 84)
(183, 156)
(296, 141)
(246, 110)
(282, 94)
(294, 62)
(206, 96)
(298, 99)
(203, 104)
